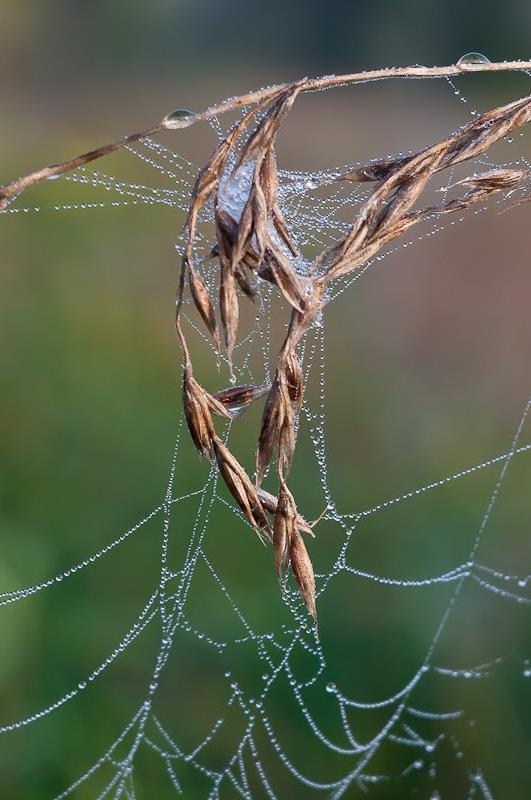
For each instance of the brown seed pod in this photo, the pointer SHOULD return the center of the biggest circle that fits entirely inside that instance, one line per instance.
(236, 399)
(228, 300)
(242, 275)
(287, 440)
(269, 178)
(203, 303)
(302, 568)
(272, 422)
(284, 529)
(197, 414)
(265, 132)
(376, 171)
(276, 269)
(493, 179)
(294, 382)
(218, 407)
(241, 488)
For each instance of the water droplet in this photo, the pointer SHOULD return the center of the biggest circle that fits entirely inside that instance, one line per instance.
(81, 685)
(311, 183)
(473, 58)
(180, 118)
(331, 688)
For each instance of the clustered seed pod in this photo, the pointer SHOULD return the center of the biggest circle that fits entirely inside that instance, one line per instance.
(256, 245)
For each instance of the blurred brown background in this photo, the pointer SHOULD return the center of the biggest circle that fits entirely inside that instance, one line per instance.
(427, 373)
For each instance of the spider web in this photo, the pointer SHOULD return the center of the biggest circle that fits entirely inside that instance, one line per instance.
(288, 712)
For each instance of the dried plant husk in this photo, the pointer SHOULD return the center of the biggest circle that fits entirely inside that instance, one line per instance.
(470, 141)
(197, 414)
(227, 230)
(277, 432)
(207, 181)
(381, 212)
(269, 178)
(302, 569)
(272, 421)
(284, 529)
(270, 503)
(203, 303)
(265, 132)
(236, 399)
(243, 279)
(288, 546)
(253, 221)
(269, 183)
(217, 407)
(493, 179)
(241, 488)
(276, 269)
(375, 171)
(228, 298)
(228, 303)
(294, 382)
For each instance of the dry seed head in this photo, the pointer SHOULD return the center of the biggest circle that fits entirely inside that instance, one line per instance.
(252, 243)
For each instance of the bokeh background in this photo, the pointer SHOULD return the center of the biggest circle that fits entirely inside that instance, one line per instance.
(427, 372)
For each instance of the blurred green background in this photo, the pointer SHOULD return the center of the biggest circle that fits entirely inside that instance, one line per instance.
(427, 372)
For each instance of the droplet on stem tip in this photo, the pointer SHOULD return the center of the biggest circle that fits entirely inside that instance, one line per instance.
(180, 118)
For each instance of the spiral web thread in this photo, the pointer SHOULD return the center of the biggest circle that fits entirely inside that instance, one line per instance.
(313, 205)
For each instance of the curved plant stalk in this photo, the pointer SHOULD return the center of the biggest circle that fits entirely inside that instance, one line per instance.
(18, 186)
